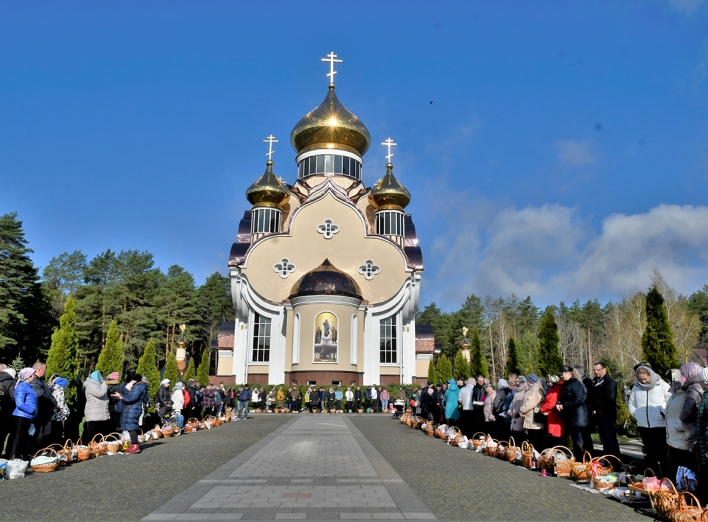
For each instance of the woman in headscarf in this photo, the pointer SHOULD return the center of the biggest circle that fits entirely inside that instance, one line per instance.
(488, 409)
(572, 406)
(452, 394)
(25, 412)
(133, 400)
(554, 419)
(530, 406)
(61, 411)
(96, 409)
(675, 434)
(647, 404)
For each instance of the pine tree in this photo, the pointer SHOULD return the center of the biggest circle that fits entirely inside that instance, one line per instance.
(462, 368)
(549, 357)
(444, 368)
(512, 359)
(111, 357)
(203, 369)
(658, 340)
(432, 373)
(63, 355)
(189, 372)
(147, 367)
(478, 363)
(171, 371)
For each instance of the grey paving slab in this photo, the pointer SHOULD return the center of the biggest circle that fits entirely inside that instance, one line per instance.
(312, 468)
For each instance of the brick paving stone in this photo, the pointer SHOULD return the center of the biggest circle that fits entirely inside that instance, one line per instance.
(460, 484)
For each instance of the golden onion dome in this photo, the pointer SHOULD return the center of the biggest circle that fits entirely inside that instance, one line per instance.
(267, 191)
(388, 193)
(330, 126)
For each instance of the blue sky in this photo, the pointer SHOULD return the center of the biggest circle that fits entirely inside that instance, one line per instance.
(565, 154)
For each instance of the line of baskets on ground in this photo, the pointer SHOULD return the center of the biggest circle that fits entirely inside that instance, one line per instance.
(55, 456)
(598, 472)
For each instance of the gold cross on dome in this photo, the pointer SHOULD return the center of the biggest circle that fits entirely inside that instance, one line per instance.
(389, 143)
(270, 140)
(331, 58)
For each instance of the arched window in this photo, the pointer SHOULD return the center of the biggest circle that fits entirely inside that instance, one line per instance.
(390, 223)
(329, 164)
(265, 220)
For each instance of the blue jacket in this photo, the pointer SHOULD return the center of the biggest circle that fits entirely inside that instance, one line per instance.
(451, 396)
(245, 395)
(133, 406)
(25, 401)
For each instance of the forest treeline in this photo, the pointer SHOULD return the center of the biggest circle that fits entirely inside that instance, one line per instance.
(586, 332)
(124, 288)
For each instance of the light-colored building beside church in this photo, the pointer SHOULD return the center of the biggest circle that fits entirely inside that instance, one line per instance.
(325, 272)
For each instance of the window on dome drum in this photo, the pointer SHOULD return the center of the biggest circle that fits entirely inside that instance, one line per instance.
(265, 220)
(390, 223)
(261, 339)
(387, 340)
(329, 164)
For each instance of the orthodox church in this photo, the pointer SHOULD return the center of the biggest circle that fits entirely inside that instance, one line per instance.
(325, 272)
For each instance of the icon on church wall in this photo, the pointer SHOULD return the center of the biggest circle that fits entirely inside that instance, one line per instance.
(326, 334)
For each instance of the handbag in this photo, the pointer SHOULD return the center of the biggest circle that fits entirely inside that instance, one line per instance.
(539, 417)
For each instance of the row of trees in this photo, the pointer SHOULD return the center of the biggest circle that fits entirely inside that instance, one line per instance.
(115, 312)
(513, 335)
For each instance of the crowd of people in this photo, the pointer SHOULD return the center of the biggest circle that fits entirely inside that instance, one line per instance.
(34, 411)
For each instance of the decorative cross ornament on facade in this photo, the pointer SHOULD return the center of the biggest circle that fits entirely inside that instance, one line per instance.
(327, 229)
(389, 143)
(270, 140)
(369, 269)
(331, 58)
(284, 268)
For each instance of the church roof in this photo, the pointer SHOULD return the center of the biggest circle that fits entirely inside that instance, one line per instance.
(326, 279)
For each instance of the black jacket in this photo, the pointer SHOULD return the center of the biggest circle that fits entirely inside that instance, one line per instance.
(357, 395)
(573, 401)
(163, 395)
(45, 401)
(7, 400)
(498, 403)
(603, 399)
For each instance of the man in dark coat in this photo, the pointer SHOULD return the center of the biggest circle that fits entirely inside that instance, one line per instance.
(7, 404)
(45, 407)
(603, 409)
(244, 397)
(573, 408)
(358, 398)
(115, 405)
(367, 397)
(192, 408)
(477, 419)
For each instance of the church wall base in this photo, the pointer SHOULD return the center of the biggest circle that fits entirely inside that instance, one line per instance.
(324, 377)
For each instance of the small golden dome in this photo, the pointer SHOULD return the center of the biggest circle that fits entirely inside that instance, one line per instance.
(330, 126)
(267, 191)
(388, 193)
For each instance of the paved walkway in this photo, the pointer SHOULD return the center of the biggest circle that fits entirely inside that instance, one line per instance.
(312, 468)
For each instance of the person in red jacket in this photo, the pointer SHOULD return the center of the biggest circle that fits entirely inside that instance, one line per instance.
(555, 425)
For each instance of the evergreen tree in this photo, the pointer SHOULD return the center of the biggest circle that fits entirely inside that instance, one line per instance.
(443, 368)
(512, 360)
(171, 371)
(147, 367)
(189, 372)
(432, 373)
(462, 368)
(203, 369)
(478, 363)
(17, 364)
(549, 357)
(63, 355)
(25, 319)
(658, 339)
(111, 357)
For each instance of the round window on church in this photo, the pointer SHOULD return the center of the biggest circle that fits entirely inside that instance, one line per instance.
(326, 338)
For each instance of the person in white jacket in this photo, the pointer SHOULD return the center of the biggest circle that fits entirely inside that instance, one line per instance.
(647, 404)
(349, 398)
(178, 403)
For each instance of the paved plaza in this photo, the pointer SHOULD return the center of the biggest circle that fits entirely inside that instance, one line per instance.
(303, 467)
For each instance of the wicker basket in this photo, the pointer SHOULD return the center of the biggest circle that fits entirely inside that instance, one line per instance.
(441, 431)
(478, 441)
(430, 427)
(491, 447)
(511, 450)
(688, 510)
(61, 453)
(83, 452)
(500, 453)
(601, 466)
(362, 411)
(71, 452)
(415, 422)
(454, 435)
(665, 500)
(527, 455)
(113, 443)
(45, 467)
(562, 466)
(580, 471)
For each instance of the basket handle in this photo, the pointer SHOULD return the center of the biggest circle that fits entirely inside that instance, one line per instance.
(606, 459)
(564, 450)
(671, 488)
(682, 500)
(70, 444)
(45, 450)
(79, 442)
(526, 448)
(512, 442)
(587, 460)
(115, 436)
(479, 433)
(93, 440)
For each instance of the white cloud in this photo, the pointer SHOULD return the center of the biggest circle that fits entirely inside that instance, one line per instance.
(550, 254)
(576, 152)
(686, 7)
